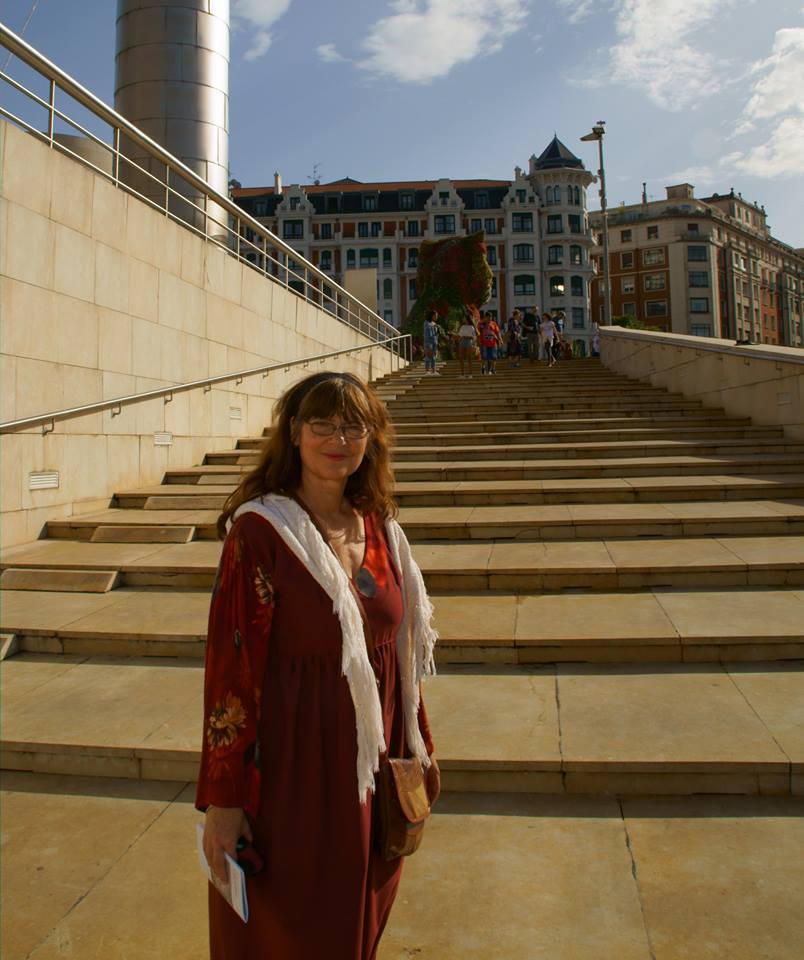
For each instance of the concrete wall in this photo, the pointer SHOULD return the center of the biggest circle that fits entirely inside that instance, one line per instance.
(765, 383)
(102, 296)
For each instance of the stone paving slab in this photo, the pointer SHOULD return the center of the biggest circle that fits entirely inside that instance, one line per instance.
(566, 878)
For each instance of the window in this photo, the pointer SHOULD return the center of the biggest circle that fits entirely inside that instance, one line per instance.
(576, 286)
(625, 236)
(556, 286)
(326, 260)
(350, 259)
(387, 289)
(652, 258)
(413, 257)
(260, 208)
(388, 316)
(655, 281)
(577, 193)
(294, 203)
(326, 231)
(445, 224)
(699, 304)
(556, 194)
(626, 260)
(627, 285)
(524, 285)
(520, 196)
(491, 256)
(555, 223)
(443, 197)
(548, 196)
(555, 254)
(653, 233)
(701, 330)
(490, 225)
(481, 199)
(578, 321)
(376, 229)
(494, 288)
(369, 257)
(369, 203)
(574, 223)
(629, 309)
(406, 201)
(387, 257)
(413, 228)
(293, 229)
(576, 255)
(475, 225)
(656, 308)
(362, 229)
(699, 278)
(522, 223)
(696, 253)
(411, 289)
(523, 253)
(693, 228)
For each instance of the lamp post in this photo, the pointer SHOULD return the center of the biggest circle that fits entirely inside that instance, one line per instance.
(597, 134)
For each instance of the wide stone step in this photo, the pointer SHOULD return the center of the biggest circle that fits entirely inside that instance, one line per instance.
(589, 491)
(581, 450)
(70, 581)
(484, 628)
(525, 522)
(668, 729)
(477, 428)
(580, 468)
(553, 565)
(595, 521)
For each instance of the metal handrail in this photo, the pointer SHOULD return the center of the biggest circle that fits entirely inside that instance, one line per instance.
(341, 304)
(48, 420)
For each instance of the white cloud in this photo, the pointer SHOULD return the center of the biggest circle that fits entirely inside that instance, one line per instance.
(259, 16)
(656, 52)
(424, 39)
(775, 111)
(580, 10)
(328, 53)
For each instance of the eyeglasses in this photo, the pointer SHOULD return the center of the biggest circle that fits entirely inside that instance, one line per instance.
(350, 431)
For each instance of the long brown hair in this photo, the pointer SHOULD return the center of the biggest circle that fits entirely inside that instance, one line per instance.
(369, 489)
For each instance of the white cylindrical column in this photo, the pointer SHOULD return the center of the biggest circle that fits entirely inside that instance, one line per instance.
(172, 81)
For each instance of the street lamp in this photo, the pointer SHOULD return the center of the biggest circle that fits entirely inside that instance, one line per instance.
(597, 134)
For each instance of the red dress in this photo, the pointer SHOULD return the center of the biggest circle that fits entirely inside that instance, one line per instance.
(280, 740)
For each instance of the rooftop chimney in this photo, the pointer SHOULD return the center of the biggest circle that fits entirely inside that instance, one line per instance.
(277, 184)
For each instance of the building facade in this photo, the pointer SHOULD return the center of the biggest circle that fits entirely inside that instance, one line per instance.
(706, 267)
(536, 229)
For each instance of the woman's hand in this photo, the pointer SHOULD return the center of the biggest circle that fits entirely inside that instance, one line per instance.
(223, 827)
(432, 780)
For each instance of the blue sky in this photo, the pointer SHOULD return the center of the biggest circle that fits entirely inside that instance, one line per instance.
(708, 91)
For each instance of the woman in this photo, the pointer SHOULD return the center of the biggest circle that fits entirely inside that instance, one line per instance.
(301, 700)
(489, 333)
(513, 338)
(467, 337)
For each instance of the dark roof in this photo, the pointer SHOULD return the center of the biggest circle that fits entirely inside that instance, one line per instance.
(557, 155)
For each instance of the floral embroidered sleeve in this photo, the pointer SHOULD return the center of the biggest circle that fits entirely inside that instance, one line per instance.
(240, 617)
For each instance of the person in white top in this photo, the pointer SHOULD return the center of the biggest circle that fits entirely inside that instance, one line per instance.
(549, 333)
(467, 338)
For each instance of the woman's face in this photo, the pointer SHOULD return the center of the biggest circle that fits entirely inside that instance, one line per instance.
(328, 458)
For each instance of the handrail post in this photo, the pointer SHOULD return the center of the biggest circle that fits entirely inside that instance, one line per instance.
(51, 119)
(116, 160)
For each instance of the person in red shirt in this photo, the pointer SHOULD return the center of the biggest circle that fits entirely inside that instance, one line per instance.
(489, 334)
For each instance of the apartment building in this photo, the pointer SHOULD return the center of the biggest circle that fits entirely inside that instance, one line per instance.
(535, 226)
(707, 267)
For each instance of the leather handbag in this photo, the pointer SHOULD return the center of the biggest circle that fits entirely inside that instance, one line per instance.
(402, 807)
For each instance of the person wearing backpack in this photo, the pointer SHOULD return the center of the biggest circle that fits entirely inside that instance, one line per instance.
(489, 333)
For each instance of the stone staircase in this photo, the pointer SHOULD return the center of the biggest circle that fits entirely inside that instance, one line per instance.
(618, 577)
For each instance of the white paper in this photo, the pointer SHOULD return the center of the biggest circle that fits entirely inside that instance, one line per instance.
(234, 890)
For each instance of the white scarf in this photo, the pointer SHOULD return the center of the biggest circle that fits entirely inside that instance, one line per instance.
(415, 639)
